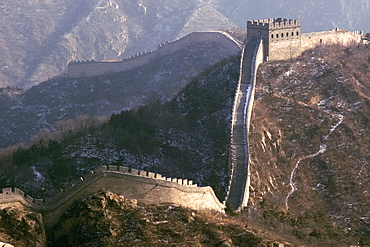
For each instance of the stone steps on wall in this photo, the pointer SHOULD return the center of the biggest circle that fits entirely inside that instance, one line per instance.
(239, 150)
(249, 51)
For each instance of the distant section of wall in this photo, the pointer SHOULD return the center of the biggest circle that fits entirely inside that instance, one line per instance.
(340, 37)
(146, 187)
(95, 68)
(294, 48)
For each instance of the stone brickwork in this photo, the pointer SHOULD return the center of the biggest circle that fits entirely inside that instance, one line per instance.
(283, 38)
(238, 190)
(146, 187)
(274, 31)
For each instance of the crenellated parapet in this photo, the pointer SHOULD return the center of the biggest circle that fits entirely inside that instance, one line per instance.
(8, 194)
(282, 38)
(134, 172)
(274, 23)
(146, 187)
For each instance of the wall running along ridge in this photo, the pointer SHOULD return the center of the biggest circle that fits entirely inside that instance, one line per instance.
(283, 39)
(268, 39)
(238, 190)
(294, 48)
(146, 187)
(91, 68)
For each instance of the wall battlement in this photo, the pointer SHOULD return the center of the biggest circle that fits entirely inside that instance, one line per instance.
(274, 23)
(283, 39)
(145, 187)
(9, 193)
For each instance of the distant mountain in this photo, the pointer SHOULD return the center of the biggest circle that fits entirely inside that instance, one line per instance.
(316, 15)
(38, 38)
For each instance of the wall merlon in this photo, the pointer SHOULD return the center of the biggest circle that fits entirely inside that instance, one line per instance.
(151, 174)
(101, 169)
(124, 169)
(112, 168)
(135, 172)
(143, 173)
(19, 192)
(7, 191)
(29, 199)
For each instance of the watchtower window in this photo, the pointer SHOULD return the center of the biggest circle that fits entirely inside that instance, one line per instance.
(287, 34)
(272, 36)
(277, 35)
(297, 33)
(282, 35)
(292, 33)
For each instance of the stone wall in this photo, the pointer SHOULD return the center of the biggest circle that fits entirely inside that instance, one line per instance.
(294, 48)
(258, 58)
(146, 187)
(284, 50)
(96, 68)
(238, 189)
(340, 37)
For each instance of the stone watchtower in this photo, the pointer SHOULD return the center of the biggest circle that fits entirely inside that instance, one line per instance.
(281, 37)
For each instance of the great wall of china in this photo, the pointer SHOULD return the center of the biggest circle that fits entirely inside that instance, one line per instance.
(152, 188)
(95, 68)
(146, 187)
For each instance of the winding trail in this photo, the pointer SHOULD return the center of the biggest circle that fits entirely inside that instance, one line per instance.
(321, 151)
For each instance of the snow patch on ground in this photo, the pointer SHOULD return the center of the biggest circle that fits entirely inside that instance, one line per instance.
(321, 151)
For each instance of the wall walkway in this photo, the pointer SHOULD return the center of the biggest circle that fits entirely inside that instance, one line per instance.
(238, 191)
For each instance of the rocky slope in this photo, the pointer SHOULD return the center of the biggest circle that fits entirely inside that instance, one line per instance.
(21, 227)
(310, 142)
(107, 219)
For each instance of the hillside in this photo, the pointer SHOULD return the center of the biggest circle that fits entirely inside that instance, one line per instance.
(106, 219)
(310, 142)
(309, 145)
(170, 138)
(61, 98)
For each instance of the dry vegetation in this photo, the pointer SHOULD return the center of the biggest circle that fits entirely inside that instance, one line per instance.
(298, 103)
(106, 219)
